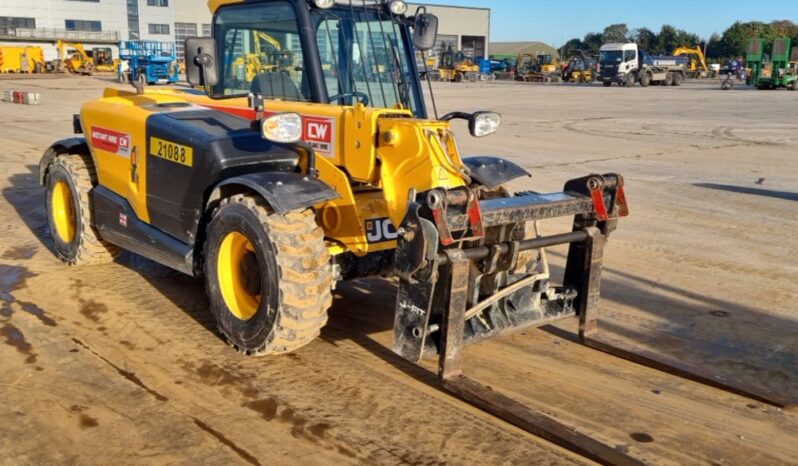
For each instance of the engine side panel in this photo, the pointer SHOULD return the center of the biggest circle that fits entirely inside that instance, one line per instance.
(190, 151)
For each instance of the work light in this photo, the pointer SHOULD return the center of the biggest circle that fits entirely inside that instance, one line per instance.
(397, 7)
(282, 127)
(484, 123)
(324, 4)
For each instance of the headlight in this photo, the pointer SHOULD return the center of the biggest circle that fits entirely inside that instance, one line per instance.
(397, 7)
(324, 4)
(282, 127)
(484, 123)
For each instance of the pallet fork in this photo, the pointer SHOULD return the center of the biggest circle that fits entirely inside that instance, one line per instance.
(454, 293)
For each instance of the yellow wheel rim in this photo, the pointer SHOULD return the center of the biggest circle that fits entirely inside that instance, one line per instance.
(63, 212)
(239, 275)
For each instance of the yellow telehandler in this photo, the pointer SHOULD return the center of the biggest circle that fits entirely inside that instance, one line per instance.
(273, 189)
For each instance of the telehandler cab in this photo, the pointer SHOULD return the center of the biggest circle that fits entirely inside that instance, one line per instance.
(274, 189)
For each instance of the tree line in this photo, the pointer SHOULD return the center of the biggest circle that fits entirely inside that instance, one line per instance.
(719, 47)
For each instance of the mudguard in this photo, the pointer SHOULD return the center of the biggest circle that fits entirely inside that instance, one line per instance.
(76, 145)
(493, 172)
(283, 191)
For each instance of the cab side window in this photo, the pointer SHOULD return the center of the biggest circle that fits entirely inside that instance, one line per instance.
(629, 55)
(263, 53)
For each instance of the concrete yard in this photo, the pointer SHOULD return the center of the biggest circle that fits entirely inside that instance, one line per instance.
(121, 363)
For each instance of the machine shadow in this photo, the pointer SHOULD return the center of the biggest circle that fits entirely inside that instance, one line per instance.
(786, 195)
(27, 198)
(736, 341)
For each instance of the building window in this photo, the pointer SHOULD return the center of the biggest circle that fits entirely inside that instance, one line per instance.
(159, 28)
(182, 32)
(157, 2)
(83, 25)
(22, 23)
(133, 19)
(206, 30)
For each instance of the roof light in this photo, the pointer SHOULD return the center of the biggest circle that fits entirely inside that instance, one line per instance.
(397, 7)
(324, 4)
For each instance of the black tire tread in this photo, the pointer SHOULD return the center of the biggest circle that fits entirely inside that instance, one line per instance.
(92, 249)
(305, 276)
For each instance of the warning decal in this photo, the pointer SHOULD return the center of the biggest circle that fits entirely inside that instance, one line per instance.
(110, 141)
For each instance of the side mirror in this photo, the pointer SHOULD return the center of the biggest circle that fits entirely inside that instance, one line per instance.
(201, 62)
(425, 31)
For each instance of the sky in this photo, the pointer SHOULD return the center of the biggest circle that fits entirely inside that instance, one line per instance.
(554, 22)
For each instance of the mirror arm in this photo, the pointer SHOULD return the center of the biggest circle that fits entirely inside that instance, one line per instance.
(456, 116)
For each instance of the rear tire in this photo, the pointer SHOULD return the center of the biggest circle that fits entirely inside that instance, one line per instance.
(645, 80)
(70, 179)
(677, 79)
(268, 276)
(668, 79)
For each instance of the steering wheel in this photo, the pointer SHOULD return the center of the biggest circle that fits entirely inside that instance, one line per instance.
(361, 96)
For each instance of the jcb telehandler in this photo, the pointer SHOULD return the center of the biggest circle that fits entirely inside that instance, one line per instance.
(274, 189)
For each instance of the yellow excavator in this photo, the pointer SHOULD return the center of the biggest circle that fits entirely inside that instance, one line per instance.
(265, 55)
(75, 58)
(697, 62)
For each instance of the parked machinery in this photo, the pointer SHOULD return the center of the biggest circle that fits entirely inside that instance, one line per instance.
(150, 62)
(627, 64)
(696, 66)
(21, 59)
(263, 55)
(580, 68)
(456, 66)
(73, 58)
(537, 68)
(780, 72)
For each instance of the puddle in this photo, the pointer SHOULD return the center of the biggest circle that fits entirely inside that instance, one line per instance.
(20, 253)
(12, 277)
(641, 437)
(92, 310)
(88, 422)
(13, 337)
(37, 312)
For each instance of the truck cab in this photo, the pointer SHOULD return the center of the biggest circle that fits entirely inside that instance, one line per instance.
(619, 63)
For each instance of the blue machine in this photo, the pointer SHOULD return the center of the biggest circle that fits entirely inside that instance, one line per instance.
(150, 61)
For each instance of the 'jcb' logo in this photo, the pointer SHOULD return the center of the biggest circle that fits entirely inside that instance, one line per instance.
(318, 131)
(379, 230)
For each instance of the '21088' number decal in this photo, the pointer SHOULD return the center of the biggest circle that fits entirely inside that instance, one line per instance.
(172, 151)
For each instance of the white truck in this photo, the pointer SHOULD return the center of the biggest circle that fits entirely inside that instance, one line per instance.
(627, 65)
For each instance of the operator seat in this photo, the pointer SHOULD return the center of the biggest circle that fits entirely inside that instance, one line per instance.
(276, 85)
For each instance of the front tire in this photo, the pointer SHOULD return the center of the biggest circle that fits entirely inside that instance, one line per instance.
(268, 276)
(70, 179)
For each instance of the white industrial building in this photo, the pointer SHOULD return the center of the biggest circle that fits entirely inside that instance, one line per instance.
(103, 23)
(93, 23)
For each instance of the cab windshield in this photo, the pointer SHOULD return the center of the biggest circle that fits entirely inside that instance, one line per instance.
(363, 50)
(610, 57)
(364, 57)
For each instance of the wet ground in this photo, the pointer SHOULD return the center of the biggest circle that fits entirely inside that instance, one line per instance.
(121, 363)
